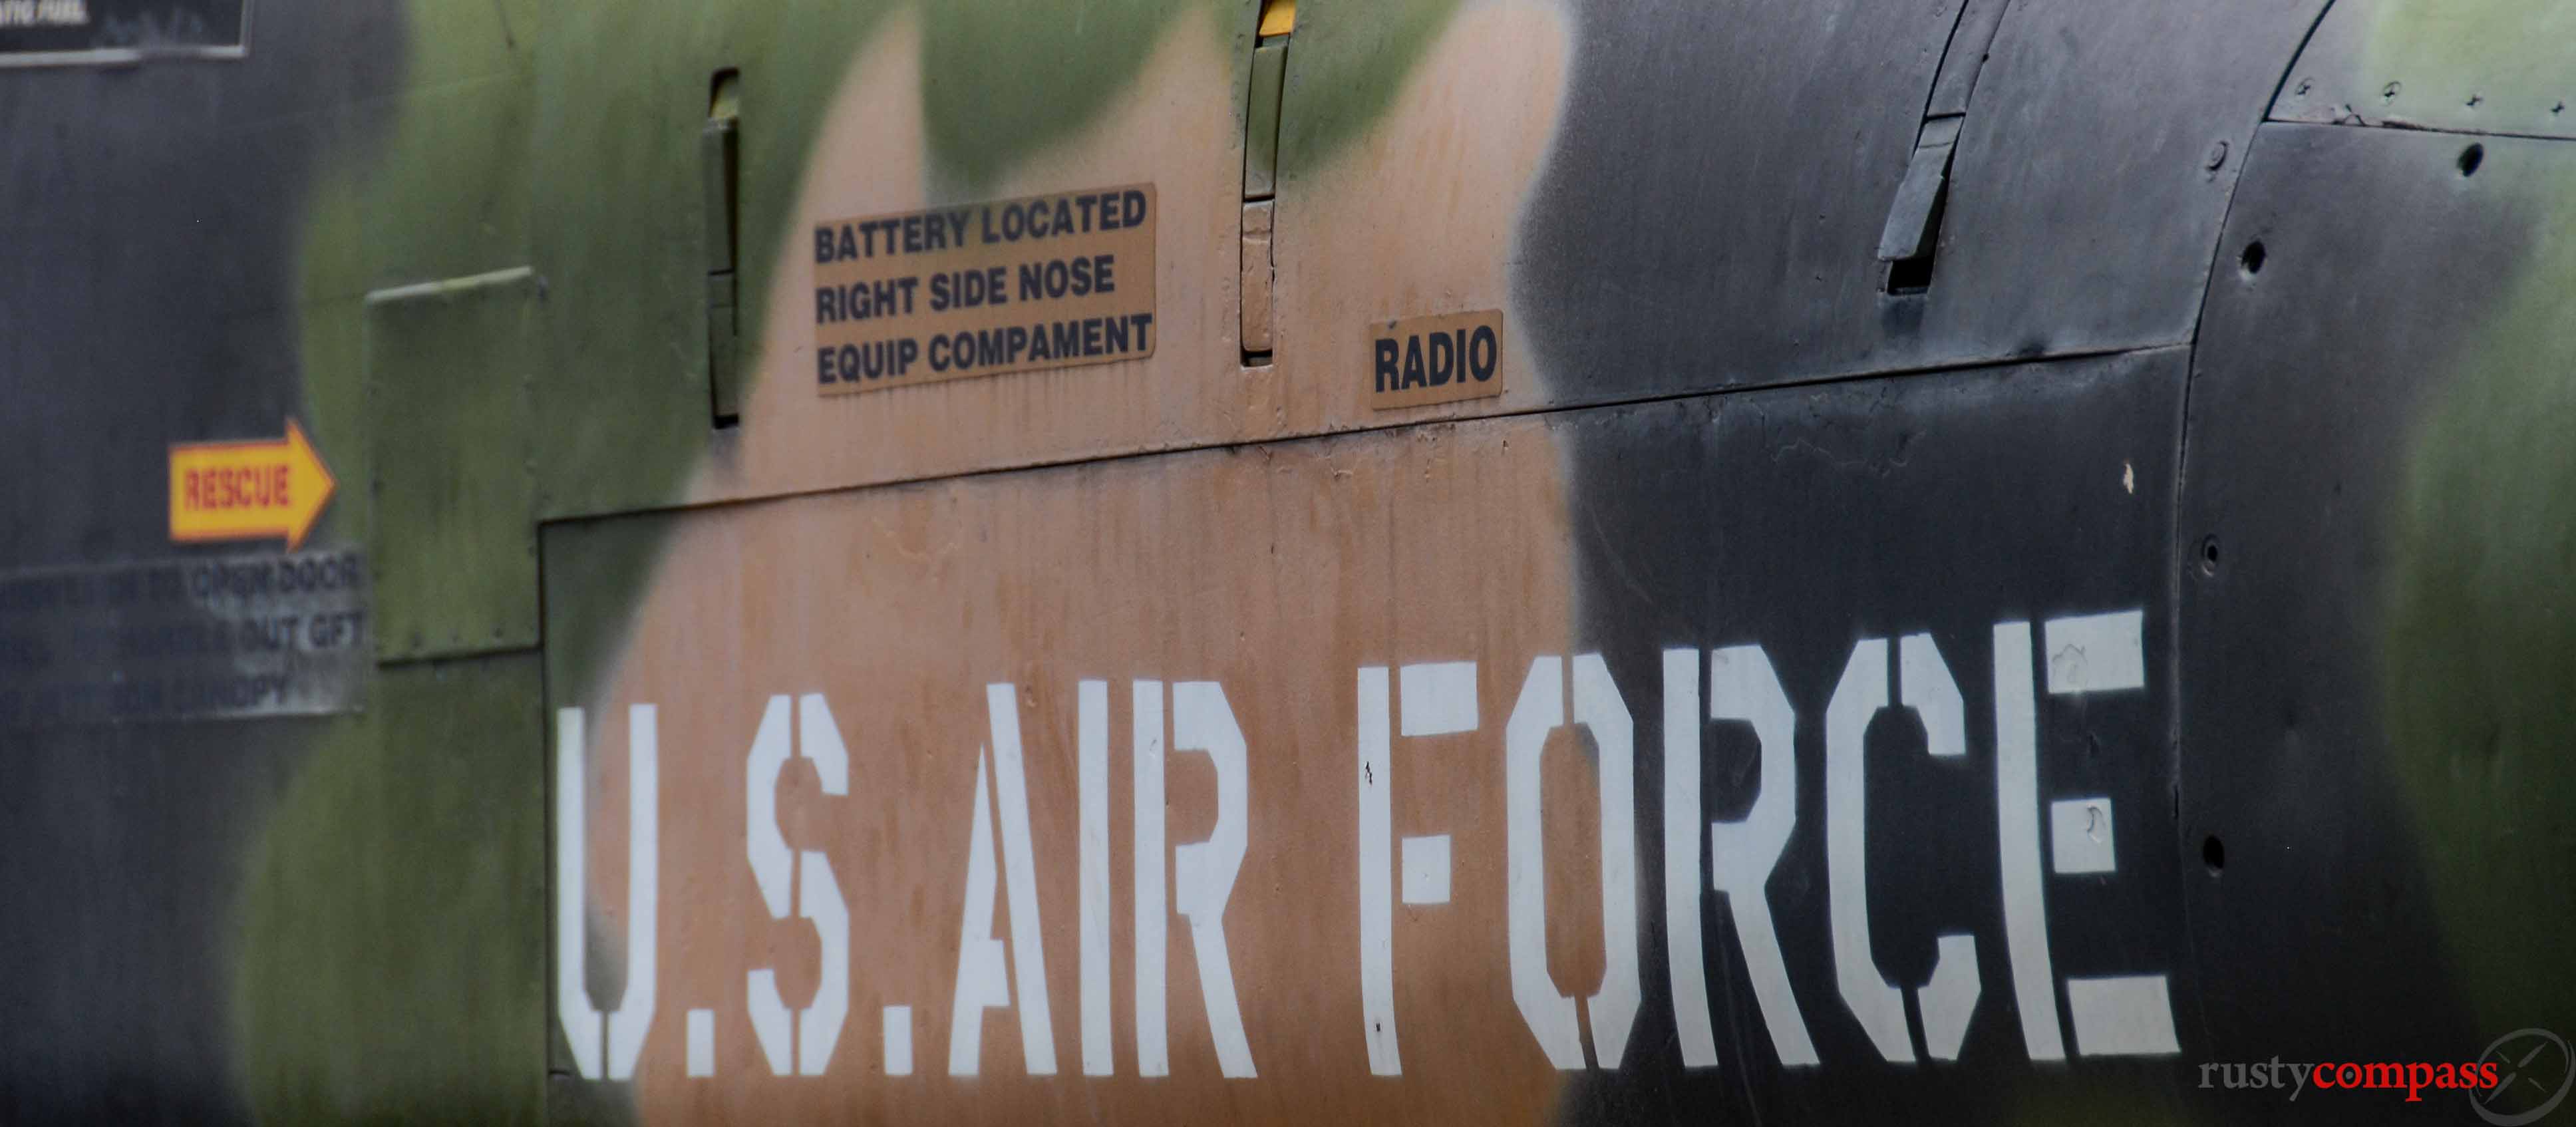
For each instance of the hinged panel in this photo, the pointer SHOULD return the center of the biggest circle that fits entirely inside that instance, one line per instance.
(720, 171)
(1910, 225)
(1965, 57)
(449, 368)
(1261, 118)
(2093, 171)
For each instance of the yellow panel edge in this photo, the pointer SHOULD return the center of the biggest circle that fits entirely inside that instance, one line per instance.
(1278, 17)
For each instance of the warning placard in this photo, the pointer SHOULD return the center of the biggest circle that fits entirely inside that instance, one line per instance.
(1424, 360)
(202, 637)
(61, 32)
(986, 288)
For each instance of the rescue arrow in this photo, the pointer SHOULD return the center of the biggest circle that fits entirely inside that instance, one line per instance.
(247, 490)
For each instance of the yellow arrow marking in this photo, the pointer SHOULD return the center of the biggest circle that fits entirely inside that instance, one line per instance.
(247, 490)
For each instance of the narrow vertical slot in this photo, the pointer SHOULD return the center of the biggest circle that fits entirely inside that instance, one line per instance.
(720, 159)
(1260, 177)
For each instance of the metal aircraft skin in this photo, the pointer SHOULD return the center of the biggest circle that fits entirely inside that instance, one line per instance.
(1160, 561)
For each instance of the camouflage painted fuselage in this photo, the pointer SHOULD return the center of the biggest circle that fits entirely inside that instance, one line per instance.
(1645, 562)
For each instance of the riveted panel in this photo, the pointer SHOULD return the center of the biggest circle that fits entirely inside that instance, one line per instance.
(1688, 229)
(449, 368)
(2497, 66)
(388, 957)
(187, 243)
(618, 191)
(1690, 234)
(2373, 531)
(2082, 210)
(1337, 646)
(1714, 219)
(1987, 521)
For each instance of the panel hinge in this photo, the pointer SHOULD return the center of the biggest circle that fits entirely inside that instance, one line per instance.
(1911, 240)
(1261, 174)
(720, 159)
(1913, 228)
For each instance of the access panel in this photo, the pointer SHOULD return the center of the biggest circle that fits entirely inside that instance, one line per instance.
(2376, 655)
(1772, 754)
